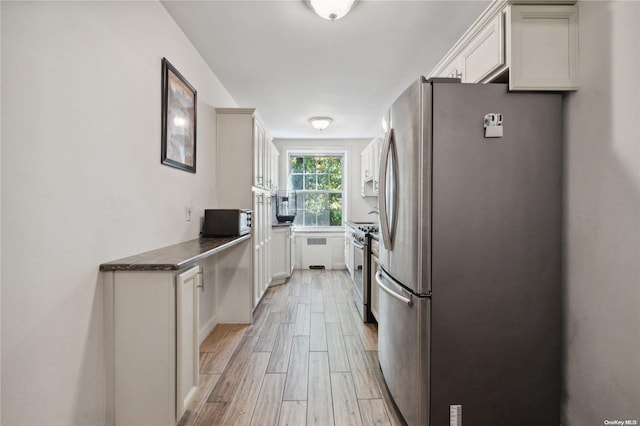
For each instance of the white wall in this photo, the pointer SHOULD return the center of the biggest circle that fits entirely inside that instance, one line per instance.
(82, 184)
(357, 207)
(602, 220)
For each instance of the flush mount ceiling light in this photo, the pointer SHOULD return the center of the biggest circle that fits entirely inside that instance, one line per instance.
(331, 9)
(320, 123)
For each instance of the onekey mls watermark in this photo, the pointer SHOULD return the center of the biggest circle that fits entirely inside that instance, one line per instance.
(621, 422)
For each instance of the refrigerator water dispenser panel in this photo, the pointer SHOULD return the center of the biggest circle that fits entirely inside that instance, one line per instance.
(493, 125)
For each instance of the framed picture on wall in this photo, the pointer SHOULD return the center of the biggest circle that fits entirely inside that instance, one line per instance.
(178, 120)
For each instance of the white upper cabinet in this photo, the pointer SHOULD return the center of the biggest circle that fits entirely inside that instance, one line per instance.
(369, 165)
(246, 156)
(537, 44)
(543, 48)
(485, 54)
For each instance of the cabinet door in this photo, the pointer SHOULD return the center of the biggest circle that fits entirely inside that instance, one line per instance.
(266, 161)
(292, 250)
(275, 158)
(259, 152)
(542, 47)
(348, 253)
(257, 243)
(268, 242)
(187, 362)
(280, 253)
(377, 146)
(485, 53)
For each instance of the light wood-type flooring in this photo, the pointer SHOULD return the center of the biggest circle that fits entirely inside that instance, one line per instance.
(306, 360)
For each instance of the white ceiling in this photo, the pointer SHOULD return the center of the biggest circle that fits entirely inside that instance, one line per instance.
(290, 64)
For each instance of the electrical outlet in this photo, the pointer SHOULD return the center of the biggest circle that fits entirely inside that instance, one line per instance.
(188, 211)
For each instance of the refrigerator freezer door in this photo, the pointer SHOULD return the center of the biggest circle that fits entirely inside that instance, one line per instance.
(400, 201)
(403, 344)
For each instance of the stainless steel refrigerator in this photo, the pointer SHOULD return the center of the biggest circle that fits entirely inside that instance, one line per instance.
(470, 298)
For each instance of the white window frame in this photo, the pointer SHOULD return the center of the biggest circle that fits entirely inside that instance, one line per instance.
(319, 153)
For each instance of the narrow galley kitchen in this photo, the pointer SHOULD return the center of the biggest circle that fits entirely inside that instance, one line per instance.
(306, 359)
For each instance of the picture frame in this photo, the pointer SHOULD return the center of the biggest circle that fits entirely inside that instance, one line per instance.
(179, 104)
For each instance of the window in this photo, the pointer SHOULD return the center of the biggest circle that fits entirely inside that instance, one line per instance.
(317, 179)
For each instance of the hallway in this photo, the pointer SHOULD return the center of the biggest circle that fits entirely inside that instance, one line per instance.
(307, 359)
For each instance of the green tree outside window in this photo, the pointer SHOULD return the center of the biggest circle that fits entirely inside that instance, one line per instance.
(317, 180)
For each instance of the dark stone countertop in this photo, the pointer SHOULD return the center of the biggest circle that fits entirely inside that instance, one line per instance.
(174, 257)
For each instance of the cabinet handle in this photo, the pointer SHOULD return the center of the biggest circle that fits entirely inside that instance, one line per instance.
(457, 74)
(201, 285)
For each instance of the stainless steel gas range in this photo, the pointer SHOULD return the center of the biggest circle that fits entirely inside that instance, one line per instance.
(360, 272)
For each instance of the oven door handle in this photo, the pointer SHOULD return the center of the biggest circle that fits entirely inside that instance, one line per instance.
(357, 244)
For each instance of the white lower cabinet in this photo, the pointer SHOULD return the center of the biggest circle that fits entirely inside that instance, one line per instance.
(187, 352)
(151, 344)
(261, 233)
(282, 253)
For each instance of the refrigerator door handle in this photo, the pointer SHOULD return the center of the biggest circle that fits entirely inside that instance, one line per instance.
(388, 218)
(406, 300)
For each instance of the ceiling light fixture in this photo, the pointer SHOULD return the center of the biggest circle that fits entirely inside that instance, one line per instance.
(320, 123)
(331, 9)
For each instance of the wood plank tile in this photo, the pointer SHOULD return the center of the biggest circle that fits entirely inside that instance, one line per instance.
(244, 402)
(365, 385)
(338, 360)
(345, 404)
(226, 387)
(319, 404)
(213, 340)
(373, 412)
(267, 409)
(279, 299)
(303, 319)
(294, 283)
(207, 381)
(338, 291)
(330, 309)
(279, 361)
(316, 279)
(269, 332)
(297, 375)
(305, 285)
(327, 281)
(395, 418)
(293, 413)
(317, 360)
(316, 300)
(291, 309)
(212, 413)
(214, 363)
(260, 315)
(317, 333)
(346, 320)
(368, 331)
(344, 279)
